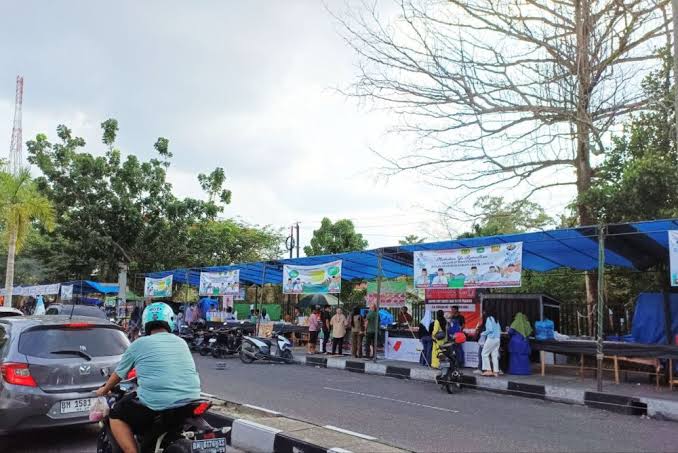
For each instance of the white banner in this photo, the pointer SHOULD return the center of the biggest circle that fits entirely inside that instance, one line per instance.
(219, 283)
(493, 266)
(67, 292)
(158, 287)
(673, 256)
(319, 279)
(406, 349)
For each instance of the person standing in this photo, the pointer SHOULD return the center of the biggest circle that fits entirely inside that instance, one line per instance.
(313, 329)
(371, 329)
(519, 345)
(338, 323)
(426, 339)
(439, 334)
(326, 316)
(404, 317)
(357, 334)
(492, 334)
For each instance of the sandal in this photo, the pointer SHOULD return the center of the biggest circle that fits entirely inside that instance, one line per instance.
(488, 374)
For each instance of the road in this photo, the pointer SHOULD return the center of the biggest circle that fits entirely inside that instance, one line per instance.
(419, 416)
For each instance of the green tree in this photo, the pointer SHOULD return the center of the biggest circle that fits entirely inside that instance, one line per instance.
(20, 205)
(335, 237)
(499, 217)
(411, 239)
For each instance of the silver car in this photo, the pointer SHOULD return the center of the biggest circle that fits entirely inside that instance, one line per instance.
(51, 365)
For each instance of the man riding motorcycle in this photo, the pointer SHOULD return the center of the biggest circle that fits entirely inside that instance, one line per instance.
(165, 371)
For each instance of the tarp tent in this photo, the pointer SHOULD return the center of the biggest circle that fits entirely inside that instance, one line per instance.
(648, 318)
(92, 287)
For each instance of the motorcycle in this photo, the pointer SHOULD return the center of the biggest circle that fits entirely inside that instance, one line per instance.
(451, 376)
(180, 429)
(203, 342)
(227, 341)
(258, 348)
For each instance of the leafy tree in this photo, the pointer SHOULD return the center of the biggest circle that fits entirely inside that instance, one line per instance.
(335, 237)
(20, 205)
(213, 184)
(499, 217)
(411, 239)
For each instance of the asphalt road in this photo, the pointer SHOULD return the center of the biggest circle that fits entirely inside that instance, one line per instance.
(78, 439)
(419, 416)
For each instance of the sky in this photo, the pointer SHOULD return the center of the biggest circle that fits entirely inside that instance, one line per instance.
(247, 86)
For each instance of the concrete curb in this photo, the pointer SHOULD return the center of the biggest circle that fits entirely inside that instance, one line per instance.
(623, 404)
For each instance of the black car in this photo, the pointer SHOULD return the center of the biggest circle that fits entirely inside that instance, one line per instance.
(76, 310)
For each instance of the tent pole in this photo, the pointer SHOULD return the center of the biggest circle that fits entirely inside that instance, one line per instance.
(380, 252)
(256, 303)
(600, 307)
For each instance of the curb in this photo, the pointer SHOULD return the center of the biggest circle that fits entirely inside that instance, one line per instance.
(623, 404)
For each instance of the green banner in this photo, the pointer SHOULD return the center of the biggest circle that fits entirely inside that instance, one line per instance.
(387, 287)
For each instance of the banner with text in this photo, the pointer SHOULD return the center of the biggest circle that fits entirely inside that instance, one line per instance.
(67, 292)
(219, 283)
(493, 266)
(318, 279)
(673, 255)
(158, 287)
(393, 294)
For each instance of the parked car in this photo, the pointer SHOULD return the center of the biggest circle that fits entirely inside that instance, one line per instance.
(77, 310)
(9, 311)
(50, 365)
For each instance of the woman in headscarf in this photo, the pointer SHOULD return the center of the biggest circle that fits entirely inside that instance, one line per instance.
(426, 339)
(439, 334)
(519, 346)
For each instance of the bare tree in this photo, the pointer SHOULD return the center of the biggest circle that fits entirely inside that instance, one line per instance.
(514, 94)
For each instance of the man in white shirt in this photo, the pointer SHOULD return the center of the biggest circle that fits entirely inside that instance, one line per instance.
(422, 280)
(440, 279)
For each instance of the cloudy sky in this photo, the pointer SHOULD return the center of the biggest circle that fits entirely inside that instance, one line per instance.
(248, 86)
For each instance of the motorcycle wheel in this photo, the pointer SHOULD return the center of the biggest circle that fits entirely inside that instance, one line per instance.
(179, 446)
(245, 351)
(287, 356)
(216, 353)
(204, 351)
(453, 382)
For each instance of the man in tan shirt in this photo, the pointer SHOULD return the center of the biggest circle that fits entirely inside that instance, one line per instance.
(338, 324)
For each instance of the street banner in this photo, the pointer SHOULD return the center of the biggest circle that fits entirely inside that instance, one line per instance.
(393, 294)
(492, 266)
(219, 283)
(442, 295)
(673, 256)
(318, 279)
(405, 349)
(67, 292)
(158, 287)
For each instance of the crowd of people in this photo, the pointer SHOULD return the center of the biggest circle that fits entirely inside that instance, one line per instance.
(334, 324)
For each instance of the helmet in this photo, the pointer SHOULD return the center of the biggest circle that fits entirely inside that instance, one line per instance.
(459, 338)
(158, 314)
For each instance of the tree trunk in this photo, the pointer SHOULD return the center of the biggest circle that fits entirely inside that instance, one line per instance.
(9, 276)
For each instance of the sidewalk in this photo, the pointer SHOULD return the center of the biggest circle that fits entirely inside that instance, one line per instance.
(627, 398)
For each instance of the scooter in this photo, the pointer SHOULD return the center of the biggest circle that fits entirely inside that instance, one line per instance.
(257, 348)
(450, 377)
(179, 429)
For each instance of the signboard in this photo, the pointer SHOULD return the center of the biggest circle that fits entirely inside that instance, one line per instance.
(406, 349)
(158, 287)
(318, 279)
(227, 301)
(67, 292)
(393, 294)
(492, 266)
(471, 356)
(437, 295)
(219, 283)
(673, 256)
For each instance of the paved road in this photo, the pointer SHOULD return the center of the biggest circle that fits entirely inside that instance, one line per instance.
(80, 439)
(419, 416)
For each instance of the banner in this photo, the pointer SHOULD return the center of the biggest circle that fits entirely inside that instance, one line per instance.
(405, 349)
(673, 256)
(318, 279)
(219, 283)
(67, 292)
(393, 294)
(493, 266)
(158, 287)
(440, 295)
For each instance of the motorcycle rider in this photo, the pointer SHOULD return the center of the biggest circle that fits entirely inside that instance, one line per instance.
(166, 374)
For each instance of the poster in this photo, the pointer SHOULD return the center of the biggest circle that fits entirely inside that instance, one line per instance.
(219, 283)
(393, 294)
(318, 279)
(158, 287)
(492, 266)
(673, 256)
(405, 349)
(67, 292)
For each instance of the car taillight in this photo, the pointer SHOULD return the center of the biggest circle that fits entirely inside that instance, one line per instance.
(201, 408)
(132, 373)
(78, 325)
(209, 436)
(17, 374)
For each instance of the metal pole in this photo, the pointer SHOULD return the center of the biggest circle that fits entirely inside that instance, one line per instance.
(376, 331)
(297, 227)
(256, 303)
(600, 307)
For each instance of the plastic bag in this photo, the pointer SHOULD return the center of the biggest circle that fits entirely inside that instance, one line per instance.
(544, 329)
(99, 409)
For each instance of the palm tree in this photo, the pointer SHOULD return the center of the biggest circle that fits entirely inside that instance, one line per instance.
(20, 205)
(411, 239)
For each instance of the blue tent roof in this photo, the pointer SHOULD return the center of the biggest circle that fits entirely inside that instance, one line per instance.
(89, 287)
(638, 245)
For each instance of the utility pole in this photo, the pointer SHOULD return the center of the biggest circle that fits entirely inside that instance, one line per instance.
(297, 227)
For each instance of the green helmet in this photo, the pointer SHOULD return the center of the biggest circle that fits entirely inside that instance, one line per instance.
(158, 314)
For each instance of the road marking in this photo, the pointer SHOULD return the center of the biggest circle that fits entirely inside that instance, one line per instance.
(262, 409)
(411, 403)
(352, 433)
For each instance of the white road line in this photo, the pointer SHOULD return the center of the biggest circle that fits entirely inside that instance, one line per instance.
(352, 433)
(411, 403)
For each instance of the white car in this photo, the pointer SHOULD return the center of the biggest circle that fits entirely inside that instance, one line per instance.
(9, 311)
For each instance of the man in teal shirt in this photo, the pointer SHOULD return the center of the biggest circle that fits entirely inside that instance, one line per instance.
(166, 376)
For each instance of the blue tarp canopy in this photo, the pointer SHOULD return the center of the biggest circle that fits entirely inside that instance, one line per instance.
(638, 245)
(648, 318)
(90, 287)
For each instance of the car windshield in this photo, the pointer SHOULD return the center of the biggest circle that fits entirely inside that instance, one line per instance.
(60, 342)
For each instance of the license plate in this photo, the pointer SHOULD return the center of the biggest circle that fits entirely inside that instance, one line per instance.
(71, 406)
(216, 445)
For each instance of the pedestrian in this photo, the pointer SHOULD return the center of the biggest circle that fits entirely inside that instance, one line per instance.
(357, 334)
(313, 329)
(325, 317)
(39, 306)
(519, 345)
(264, 316)
(229, 314)
(492, 334)
(424, 332)
(404, 317)
(455, 325)
(339, 324)
(439, 334)
(371, 330)
(134, 321)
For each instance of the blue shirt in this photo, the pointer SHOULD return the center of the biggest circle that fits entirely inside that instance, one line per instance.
(165, 370)
(492, 328)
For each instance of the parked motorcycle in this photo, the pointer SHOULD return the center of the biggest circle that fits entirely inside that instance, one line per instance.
(450, 377)
(204, 343)
(258, 348)
(227, 341)
(180, 429)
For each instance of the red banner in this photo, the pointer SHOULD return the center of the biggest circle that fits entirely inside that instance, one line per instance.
(450, 294)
